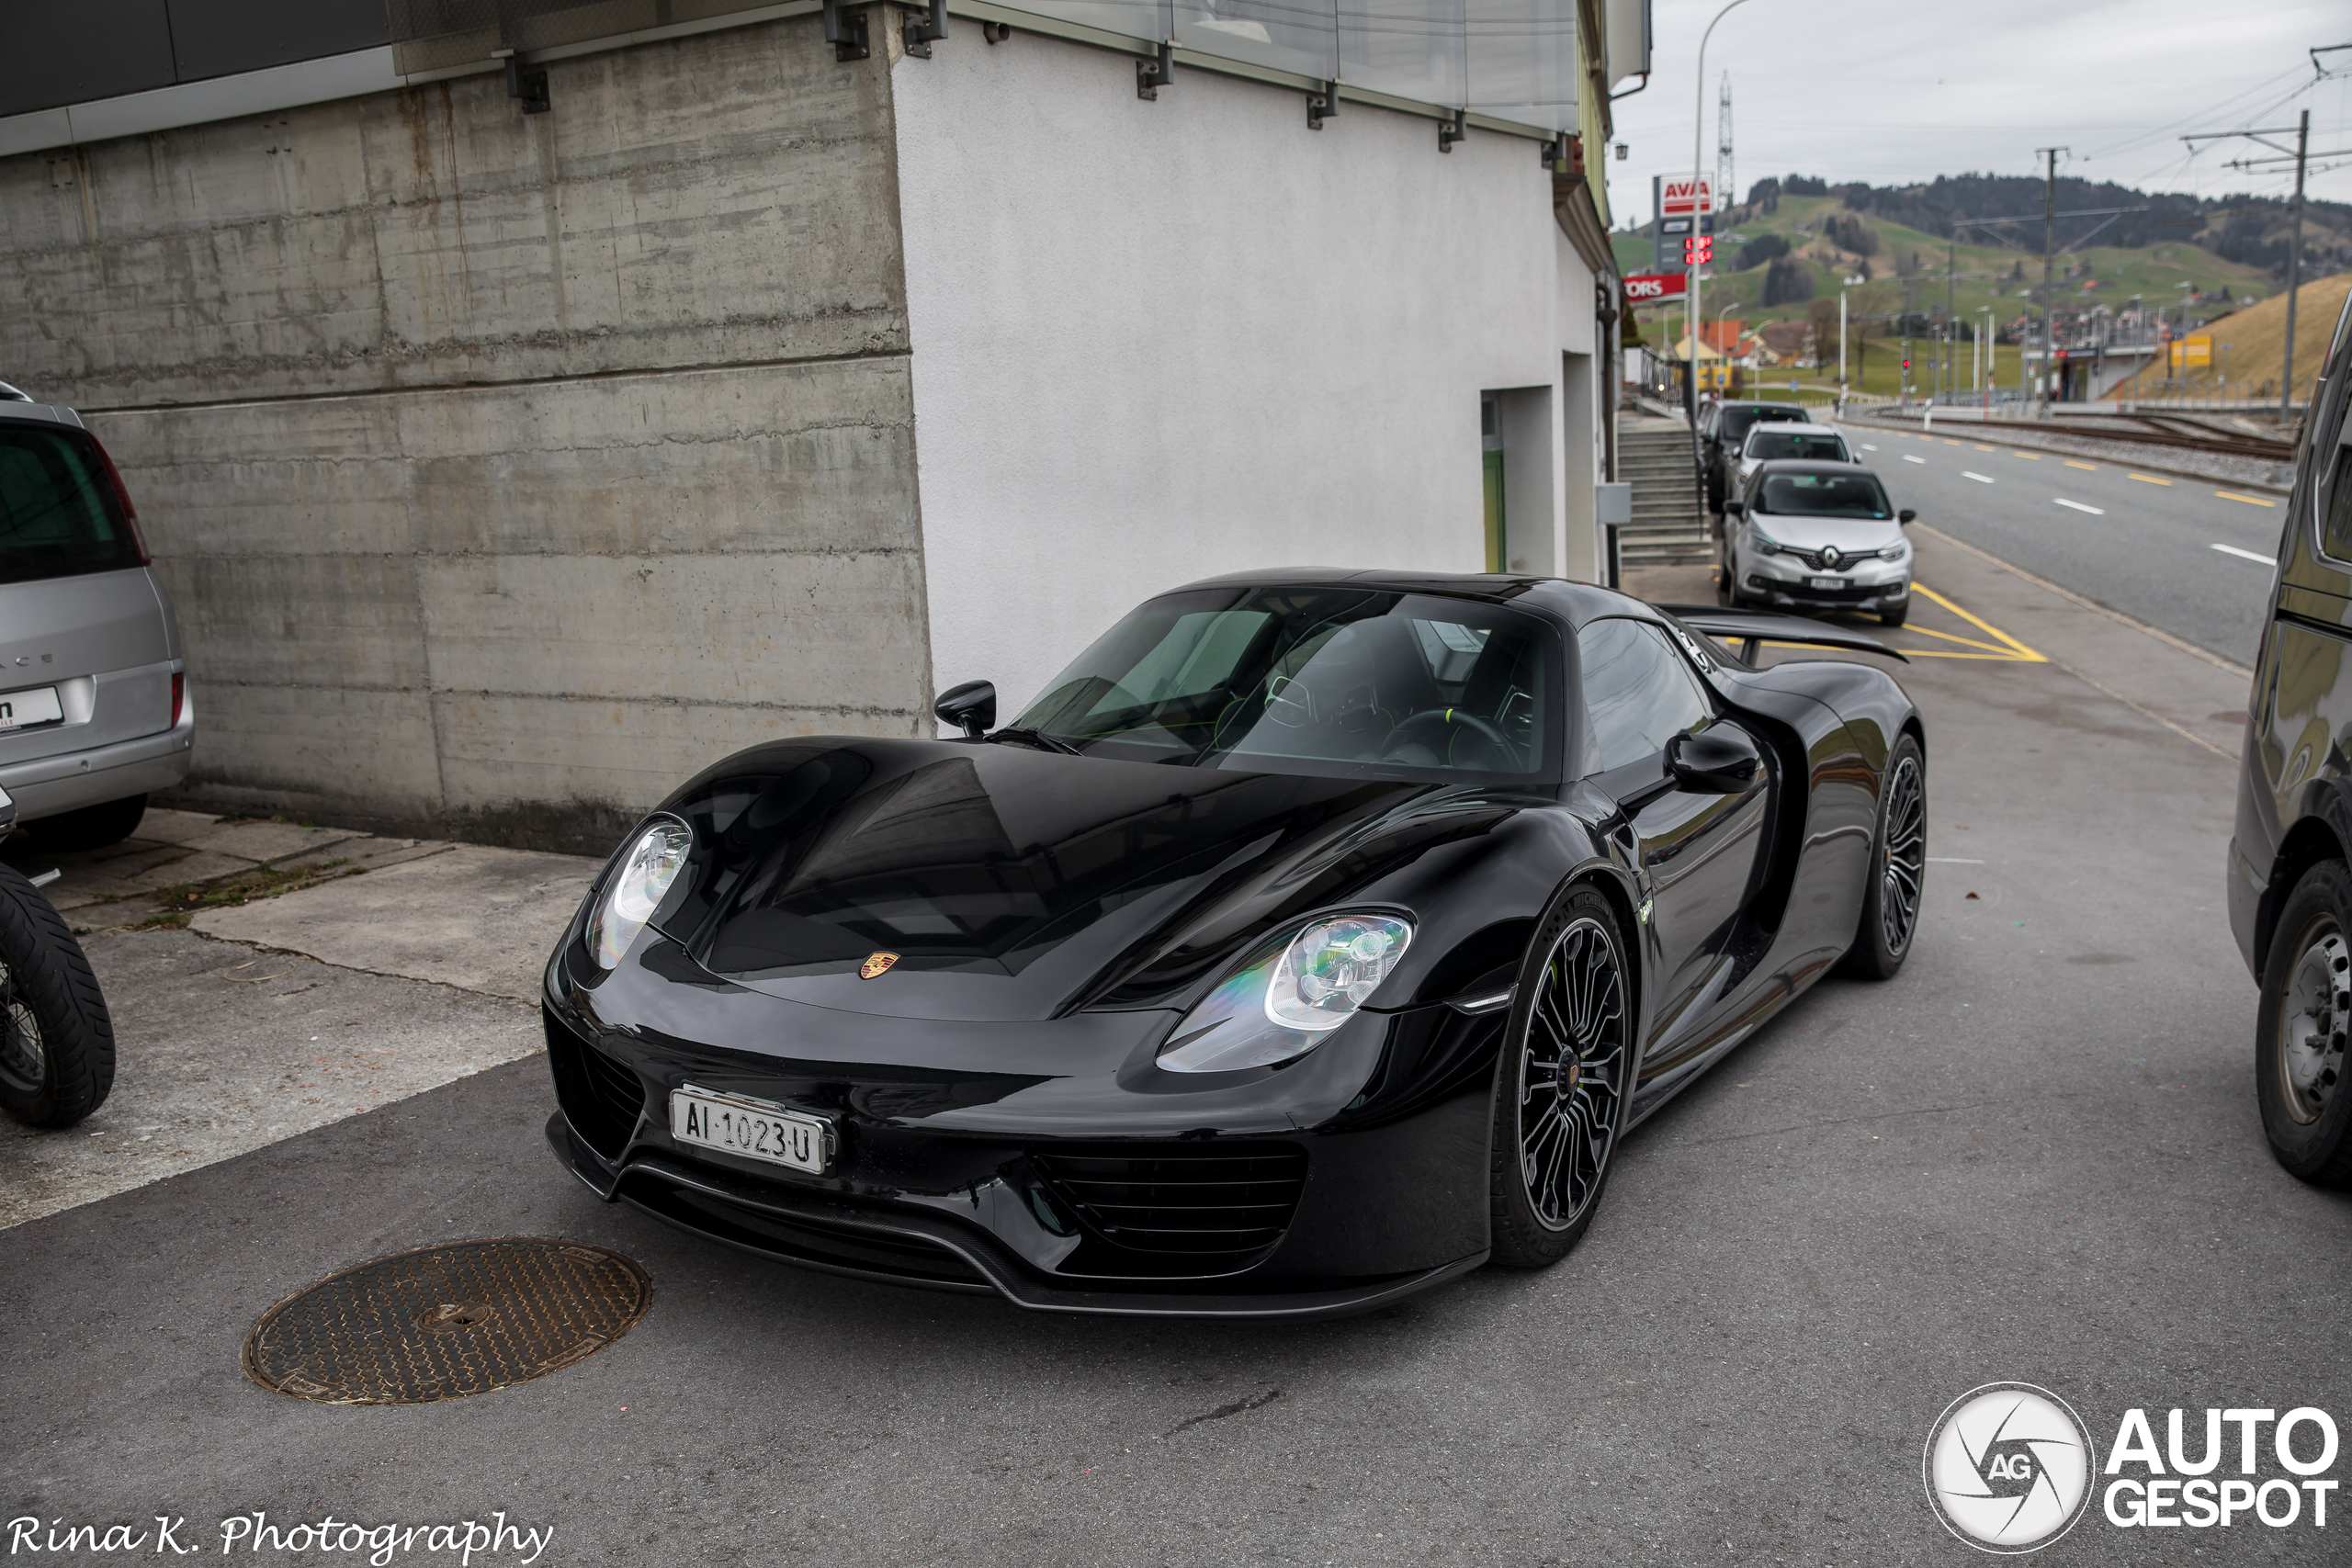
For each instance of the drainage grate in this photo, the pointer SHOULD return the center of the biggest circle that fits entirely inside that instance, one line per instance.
(445, 1322)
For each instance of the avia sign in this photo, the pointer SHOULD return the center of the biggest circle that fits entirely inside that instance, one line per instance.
(1685, 198)
(1642, 287)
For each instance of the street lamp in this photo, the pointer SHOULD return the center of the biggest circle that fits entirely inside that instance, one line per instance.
(1698, 172)
(1852, 281)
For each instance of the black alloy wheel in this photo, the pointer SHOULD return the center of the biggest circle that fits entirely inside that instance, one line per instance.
(2300, 1039)
(1563, 1085)
(1898, 871)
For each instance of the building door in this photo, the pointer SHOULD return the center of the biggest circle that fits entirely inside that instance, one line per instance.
(1492, 439)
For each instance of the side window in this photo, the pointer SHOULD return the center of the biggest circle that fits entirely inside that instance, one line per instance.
(1638, 693)
(2337, 499)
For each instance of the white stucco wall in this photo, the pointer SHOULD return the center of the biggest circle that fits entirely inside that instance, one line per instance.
(1156, 342)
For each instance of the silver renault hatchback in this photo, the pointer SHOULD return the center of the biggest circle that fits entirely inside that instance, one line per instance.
(94, 713)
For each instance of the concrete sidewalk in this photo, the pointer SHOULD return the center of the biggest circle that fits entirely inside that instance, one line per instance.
(391, 967)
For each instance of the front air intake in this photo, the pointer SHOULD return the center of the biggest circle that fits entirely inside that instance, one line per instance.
(600, 1097)
(1175, 1209)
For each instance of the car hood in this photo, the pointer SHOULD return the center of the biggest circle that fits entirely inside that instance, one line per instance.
(1016, 883)
(1855, 535)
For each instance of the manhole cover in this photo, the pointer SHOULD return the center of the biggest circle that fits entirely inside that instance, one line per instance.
(445, 1322)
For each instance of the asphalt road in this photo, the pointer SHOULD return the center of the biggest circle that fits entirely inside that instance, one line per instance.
(2133, 540)
(2034, 1155)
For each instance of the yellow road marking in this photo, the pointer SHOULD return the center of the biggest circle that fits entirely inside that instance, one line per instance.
(2011, 649)
(2249, 499)
(1988, 448)
(2029, 457)
(2151, 480)
(1950, 442)
(2072, 464)
(2005, 649)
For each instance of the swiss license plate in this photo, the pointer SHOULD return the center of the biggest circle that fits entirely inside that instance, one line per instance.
(755, 1129)
(39, 706)
(1824, 582)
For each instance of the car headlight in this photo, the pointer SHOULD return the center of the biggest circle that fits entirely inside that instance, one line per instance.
(1765, 544)
(635, 890)
(1288, 994)
(1895, 551)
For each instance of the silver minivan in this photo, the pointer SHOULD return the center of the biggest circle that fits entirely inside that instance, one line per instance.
(94, 713)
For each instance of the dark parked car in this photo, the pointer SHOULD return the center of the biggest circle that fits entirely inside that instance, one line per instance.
(2291, 891)
(1312, 939)
(1722, 431)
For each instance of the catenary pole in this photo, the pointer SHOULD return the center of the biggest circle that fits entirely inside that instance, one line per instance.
(2294, 265)
(2049, 241)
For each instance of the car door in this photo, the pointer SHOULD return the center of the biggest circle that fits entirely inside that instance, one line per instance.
(1696, 855)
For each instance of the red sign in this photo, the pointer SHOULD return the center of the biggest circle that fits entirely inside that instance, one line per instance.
(1675, 199)
(1643, 287)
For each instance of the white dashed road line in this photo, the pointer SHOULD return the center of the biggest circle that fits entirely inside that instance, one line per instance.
(1980, 479)
(1867, 447)
(2094, 510)
(2246, 555)
(1908, 458)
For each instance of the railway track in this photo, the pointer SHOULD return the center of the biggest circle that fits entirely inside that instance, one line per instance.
(2157, 430)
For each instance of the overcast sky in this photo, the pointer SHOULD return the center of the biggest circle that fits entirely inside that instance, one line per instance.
(1892, 94)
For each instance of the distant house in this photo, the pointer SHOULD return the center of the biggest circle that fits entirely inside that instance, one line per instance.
(1791, 343)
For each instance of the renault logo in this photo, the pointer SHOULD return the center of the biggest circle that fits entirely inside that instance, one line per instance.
(876, 963)
(1830, 557)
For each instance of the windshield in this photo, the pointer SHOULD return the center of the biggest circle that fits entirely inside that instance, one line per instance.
(1314, 680)
(1818, 445)
(58, 517)
(1855, 495)
(1738, 421)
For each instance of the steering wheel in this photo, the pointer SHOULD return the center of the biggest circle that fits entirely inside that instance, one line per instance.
(1432, 728)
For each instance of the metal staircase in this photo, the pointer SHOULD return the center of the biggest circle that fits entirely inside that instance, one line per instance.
(1668, 527)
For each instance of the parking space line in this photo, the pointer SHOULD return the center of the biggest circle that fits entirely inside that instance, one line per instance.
(1980, 479)
(2249, 499)
(2072, 464)
(2011, 649)
(2150, 479)
(2247, 555)
(2094, 510)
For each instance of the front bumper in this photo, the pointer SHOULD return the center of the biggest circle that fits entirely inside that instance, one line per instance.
(1047, 1162)
(1767, 580)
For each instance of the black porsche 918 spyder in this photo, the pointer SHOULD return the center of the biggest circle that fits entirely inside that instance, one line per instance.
(1316, 937)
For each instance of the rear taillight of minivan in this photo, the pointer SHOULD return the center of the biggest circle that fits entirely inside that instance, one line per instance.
(180, 698)
(138, 538)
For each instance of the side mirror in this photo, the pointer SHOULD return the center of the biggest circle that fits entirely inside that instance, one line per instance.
(1718, 760)
(971, 708)
(1905, 516)
(1733, 508)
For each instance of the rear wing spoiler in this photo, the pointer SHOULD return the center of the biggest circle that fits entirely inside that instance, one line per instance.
(1753, 628)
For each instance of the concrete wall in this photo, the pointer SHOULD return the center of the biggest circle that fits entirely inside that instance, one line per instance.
(1158, 341)
(505, 470)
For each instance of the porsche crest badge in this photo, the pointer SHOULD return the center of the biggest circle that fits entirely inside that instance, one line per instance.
(876, 965)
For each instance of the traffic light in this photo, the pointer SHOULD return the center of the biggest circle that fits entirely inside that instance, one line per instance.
(1906, 364)
(1698, 250)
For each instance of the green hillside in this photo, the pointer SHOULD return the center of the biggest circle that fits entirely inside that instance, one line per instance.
(1906, 270)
